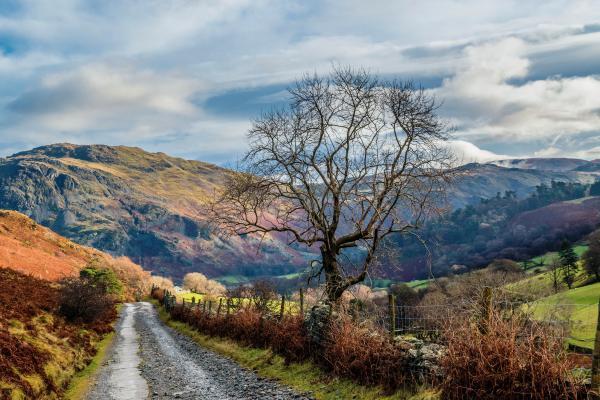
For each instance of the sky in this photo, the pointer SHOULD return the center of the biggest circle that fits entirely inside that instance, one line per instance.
(187, 77)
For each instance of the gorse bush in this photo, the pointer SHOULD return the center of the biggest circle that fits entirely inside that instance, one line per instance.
(104, 278)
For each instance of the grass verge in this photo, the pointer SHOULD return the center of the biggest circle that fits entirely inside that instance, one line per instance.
(80, 383)
(304, 378)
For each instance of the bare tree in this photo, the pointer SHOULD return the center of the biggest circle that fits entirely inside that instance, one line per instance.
(351, 160)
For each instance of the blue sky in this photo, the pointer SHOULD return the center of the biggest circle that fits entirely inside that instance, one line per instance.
(518, 78)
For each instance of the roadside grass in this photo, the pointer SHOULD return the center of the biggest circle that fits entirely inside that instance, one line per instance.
(80, 383)
(578, 307)
(303, 377)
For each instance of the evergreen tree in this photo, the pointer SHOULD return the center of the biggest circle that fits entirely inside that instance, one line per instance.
(568, 262)
(591, 258)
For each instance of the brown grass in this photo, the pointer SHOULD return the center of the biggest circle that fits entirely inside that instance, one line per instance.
(511, 359)
(38, 346)
(32, 249)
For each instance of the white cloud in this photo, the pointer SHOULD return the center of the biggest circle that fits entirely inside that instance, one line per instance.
(466, 152)
(127, 71)
(101, 97)
(486, 103)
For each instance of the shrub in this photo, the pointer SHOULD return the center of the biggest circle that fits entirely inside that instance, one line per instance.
(514, 359)
(134, 278)
(105, 279)
(364, 355)
(82, 299)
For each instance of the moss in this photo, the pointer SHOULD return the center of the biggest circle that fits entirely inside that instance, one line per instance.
(303, 377)
(36, 382)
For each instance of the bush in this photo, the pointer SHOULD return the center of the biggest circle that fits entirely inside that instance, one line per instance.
(84, 300)
(365, 356)
(104, 278)
(515, 359)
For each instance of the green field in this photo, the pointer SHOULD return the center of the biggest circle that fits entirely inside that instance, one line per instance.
(290, 307)
(578, 306)
(232, 280)
(542, 262)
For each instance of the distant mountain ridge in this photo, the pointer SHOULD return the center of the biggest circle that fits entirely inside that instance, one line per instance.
(130, 202)
(149, 206)
(483, 181)
(546, 164)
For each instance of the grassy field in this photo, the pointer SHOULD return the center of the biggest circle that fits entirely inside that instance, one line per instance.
(578, 306)
(290, 307)
(303, 377)
(542, 262)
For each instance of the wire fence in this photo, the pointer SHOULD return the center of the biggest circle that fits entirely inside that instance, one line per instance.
(425, 331)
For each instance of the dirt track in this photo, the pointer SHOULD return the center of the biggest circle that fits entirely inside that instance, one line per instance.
(150, 360)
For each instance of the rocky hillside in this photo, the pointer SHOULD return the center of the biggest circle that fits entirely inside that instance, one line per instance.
(149, 206)
(126, 201)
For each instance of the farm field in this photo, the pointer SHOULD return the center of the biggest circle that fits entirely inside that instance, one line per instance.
(578, 306)
(290, 307)
(542, 262)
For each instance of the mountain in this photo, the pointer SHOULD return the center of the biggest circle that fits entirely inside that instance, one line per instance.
(126, 201)
(546, 164)
(483, 181)
(149, 206)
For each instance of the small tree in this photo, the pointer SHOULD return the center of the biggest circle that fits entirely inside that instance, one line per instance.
(591, 258)
(262, 292)
(555, 272)
(568, 262)
(103, 278)
(198, 283)
(352, 160)
(162, 282)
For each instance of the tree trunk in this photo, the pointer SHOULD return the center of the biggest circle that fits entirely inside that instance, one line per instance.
(334, 282)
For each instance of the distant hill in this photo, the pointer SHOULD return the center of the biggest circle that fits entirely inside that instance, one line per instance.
(149, 206)
(483, 181)
(29, 248)
(126, 201)
(546, 164)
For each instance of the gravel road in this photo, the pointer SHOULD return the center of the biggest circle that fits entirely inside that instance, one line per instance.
(149, 360)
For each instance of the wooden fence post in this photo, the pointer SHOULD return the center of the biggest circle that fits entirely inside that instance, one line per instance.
(392, 314)
(301, 301)
(209, 307)
(282, 309)
(596, 359)
(227, 306)
(204, 307)
(486, 309)
(219, 307)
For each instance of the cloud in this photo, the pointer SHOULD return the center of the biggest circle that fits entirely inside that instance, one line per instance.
(486, 104)
(187, 77)
(466, 152)
(99, 96)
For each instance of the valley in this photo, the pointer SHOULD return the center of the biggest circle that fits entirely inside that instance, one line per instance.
(151, 208)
